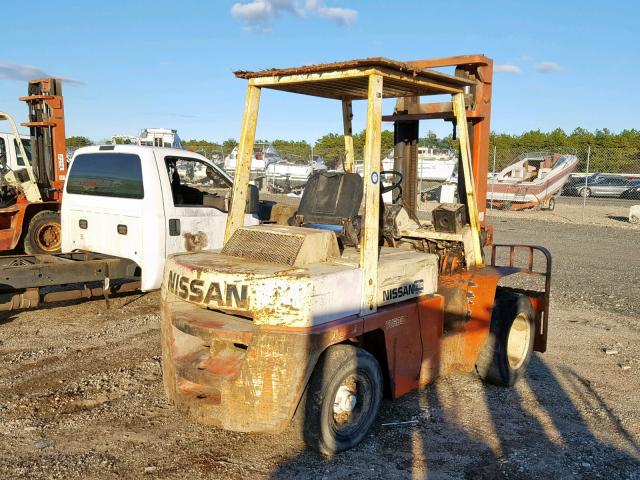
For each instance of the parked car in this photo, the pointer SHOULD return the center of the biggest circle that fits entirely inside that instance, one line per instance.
(605, 186)
(576, 181)
(632, 193)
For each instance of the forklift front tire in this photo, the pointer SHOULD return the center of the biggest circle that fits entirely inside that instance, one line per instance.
(343, 399)
(509, 347)
(44, 234)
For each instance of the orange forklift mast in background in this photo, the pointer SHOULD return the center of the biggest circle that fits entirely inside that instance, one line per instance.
(31, 196)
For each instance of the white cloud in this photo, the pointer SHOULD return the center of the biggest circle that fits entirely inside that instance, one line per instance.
(14, 71)
(259, 14)
(342, 16)
(507, 68)
(547, 67)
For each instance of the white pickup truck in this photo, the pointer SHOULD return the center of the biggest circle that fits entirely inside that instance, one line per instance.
(145, 203)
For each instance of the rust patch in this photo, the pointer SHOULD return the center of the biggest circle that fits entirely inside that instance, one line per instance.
(194, 242)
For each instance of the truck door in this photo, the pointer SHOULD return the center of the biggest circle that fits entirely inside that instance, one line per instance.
(196, 195)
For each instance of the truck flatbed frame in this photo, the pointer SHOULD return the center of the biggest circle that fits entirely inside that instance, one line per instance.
(27, 280)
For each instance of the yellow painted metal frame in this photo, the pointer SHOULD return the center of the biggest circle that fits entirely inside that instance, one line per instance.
(235, 219)
(465, 154)
(349, 155)
(371, 227)
(375, 78)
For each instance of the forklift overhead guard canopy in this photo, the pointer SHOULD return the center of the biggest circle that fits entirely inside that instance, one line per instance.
(350, 80)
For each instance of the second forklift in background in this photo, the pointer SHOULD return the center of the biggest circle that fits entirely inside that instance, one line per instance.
(31, 193)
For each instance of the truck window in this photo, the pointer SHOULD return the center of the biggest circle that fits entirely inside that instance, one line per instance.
(197, 184)
(27, 149)
(106, 174)
(3, 152)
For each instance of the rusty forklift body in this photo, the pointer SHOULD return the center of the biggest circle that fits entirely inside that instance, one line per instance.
(39, 187)
(246, 329)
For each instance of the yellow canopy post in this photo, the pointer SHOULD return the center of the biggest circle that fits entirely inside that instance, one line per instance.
(465, 154)
(369, 246)
(235, 219)
(347, 116)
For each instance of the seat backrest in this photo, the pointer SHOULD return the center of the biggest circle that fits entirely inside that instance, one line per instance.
(330, 198)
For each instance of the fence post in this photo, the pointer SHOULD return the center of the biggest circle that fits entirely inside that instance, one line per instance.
(493, 177)
(586, 182)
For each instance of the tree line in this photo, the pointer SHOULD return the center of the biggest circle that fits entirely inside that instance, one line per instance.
(605, 151)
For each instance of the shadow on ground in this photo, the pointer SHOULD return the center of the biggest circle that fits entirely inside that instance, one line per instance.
(619, 218)
(466, 429)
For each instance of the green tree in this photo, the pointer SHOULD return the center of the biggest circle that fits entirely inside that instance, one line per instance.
(331, 148)
(297, 151)
(77, 142)
(228, 145)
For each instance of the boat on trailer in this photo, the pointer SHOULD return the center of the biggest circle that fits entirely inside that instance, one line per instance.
(533, 180)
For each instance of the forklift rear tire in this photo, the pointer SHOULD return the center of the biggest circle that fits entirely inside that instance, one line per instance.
(509, 347)
(343, 399)
(44, 234)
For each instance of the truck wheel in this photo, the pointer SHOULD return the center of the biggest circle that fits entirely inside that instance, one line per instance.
(585, 192)
(44, 234)
(509, 347)
(343, 399)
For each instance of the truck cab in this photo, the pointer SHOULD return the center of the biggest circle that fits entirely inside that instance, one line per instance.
(10, 155)
(144, 204)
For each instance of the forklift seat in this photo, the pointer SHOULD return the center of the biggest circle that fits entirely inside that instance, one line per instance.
(332, 199)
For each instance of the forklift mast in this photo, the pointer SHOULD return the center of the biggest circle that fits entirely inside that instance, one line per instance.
(48, 143)
(409, 111)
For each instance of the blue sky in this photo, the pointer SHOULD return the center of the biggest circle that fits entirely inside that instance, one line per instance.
(155, 63)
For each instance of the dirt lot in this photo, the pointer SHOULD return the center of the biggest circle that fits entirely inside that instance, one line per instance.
(81, 392)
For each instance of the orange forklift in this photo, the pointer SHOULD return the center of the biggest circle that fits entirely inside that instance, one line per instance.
(314, 319)
(31, 194)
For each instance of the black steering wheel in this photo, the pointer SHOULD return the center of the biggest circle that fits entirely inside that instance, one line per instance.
(396, 185)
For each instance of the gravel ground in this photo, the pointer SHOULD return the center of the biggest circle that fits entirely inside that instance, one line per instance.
(81, 392)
